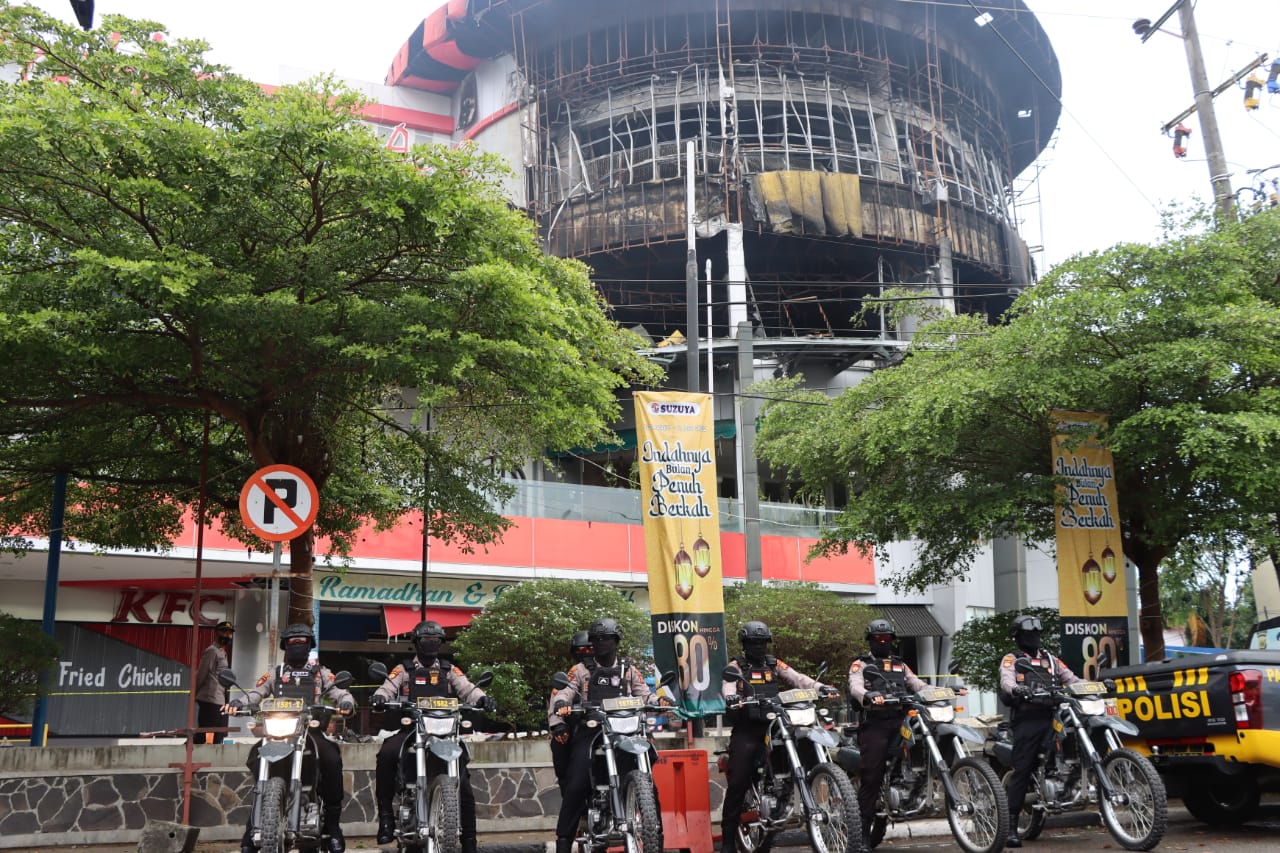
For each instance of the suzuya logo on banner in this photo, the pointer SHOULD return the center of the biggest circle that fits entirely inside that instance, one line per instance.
(279, 502)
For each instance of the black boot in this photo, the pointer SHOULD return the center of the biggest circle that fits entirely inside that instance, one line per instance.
(386, 824)
(333, 828)
(729, 838)
(246, 840)
(468, 844)
(564, 845)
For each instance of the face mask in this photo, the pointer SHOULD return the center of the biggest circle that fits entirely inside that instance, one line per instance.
(1029, 641)
(427, 647)
(606, 648)
(755, 650)
(224, 641)
(882, 648)
(296, 655)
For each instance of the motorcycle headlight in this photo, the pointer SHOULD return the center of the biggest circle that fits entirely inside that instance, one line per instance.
(804, 717)
(281, 725)
(625, 725)
(441, 726)
(942, 713)
(1093, 707)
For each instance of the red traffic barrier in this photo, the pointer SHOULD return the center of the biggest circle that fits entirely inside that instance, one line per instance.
(684, 794)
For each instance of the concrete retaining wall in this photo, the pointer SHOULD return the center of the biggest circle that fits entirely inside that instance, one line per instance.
(62, 795)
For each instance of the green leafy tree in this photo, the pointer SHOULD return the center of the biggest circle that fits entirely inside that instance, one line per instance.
(26, 652)
(1175, 342)
(980, 643)
(530, 625)
(181, 244)
(1204, 585)
(810, 625)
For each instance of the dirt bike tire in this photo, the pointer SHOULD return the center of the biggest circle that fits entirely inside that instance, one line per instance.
(1029, 823)
(274, 819)
(833, 793)
(442, 814)
(986, 829)
(1140, 824)
(640, 800)
(753, 839)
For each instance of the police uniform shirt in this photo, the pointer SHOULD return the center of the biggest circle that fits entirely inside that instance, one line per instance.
(397, 682)
(785, 674)
(630, 683)
(269, 685)
(1049, 665)
(895, 668)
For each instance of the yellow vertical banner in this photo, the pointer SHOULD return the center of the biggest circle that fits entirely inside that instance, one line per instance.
(675, 451)
(1092, 599)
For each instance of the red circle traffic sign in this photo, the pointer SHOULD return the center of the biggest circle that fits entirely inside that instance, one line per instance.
(279, 502)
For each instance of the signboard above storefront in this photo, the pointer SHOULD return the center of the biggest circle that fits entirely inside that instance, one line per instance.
(405, 590)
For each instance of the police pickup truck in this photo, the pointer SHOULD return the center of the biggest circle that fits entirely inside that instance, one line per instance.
(1211, 725)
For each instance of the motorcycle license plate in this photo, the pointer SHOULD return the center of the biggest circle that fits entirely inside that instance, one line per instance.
(622, 703)
(281, 704)
(806, 694)
(437, 703)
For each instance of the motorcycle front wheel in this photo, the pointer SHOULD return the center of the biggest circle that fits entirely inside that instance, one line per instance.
(1030, 821)
(752, 836)
(274, 822)
(838, 829)
(442, 815)
(1140, 822)
(640, 801)
(980, 816)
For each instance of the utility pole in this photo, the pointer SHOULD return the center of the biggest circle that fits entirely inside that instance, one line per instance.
(1218, 175)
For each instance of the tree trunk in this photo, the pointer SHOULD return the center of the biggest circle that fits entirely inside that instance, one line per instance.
(301, 559)
(1150, 614)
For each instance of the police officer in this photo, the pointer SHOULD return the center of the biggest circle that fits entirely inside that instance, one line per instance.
(427, 674)
(581, 650)
(299, 679)
(604, 676)
(211, 696)
(879, 723)
(764, 676)
(1031, 722)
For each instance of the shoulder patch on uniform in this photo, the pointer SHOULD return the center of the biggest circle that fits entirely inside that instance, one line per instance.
(399, 670)
(263, 679)
(1007, 663)
(855, 666)
(783, 665)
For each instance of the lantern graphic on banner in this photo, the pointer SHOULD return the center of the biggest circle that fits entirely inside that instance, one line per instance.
(1108, 565)
(684, 573)
(1091, 583)
(701, 556)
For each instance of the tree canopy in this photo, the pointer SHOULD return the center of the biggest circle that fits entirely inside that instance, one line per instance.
(182, 244)
(1174, 342)
(26, 652)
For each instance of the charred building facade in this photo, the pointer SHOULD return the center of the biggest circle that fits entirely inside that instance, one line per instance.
(839, 148)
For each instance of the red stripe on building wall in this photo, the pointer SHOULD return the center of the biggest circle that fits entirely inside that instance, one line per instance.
(489, 120)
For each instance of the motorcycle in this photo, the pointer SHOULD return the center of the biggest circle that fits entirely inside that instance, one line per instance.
(286, 796)
(797, 784)
(425, 804)
(1084, 763)
(930, 771)
(623, 810)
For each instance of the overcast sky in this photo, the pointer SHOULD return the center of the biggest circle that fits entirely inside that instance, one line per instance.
(1107, 178)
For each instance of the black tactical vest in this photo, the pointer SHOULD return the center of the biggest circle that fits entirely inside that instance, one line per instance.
(1041, 673)
(426, 681)
(608, 682)
(761, 678)
(299, 682)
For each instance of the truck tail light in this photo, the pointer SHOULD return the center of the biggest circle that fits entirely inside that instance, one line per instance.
(1246, 697)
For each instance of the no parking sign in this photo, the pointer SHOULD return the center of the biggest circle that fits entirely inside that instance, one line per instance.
(279, 502)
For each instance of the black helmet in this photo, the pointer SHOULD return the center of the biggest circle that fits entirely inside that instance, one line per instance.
(295, 631)
(754, 630)
(880, 626)
(605, 627)
(1025, 622)
(582, 639)
(428, 629)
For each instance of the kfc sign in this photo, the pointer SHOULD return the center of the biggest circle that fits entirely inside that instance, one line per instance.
(147, 607)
